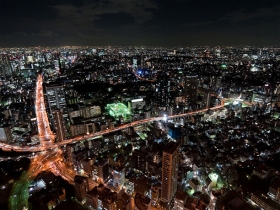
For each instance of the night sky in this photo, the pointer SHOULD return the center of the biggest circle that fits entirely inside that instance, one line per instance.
(183, 23)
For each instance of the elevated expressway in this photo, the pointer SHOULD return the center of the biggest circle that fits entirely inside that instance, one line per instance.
(50, 145)
(47, 137)
(41, 162)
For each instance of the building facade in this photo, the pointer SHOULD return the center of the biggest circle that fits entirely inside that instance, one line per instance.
(59, 125)
(190, 90)
(81, 187)
(170, 161)
(162, 91)
(56, 97)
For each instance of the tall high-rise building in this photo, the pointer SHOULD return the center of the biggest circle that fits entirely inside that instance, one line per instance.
(139, 160)
(162, 92)
(5, 61)
(101, 170)
(81, 187)
(96, 146)
(190, 90)
(170, 161)
(56, 97)
(59, 125)
(77, 129)
(118, 178)
(208, 100)
(69, 152)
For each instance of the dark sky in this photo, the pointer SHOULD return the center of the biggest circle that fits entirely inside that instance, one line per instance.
(26, 23)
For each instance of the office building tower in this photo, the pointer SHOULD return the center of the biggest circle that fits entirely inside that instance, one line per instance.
(139, 160)
(96, 146)
(118, 178)
(81, 187)
(90, 111)
(7, 68)
(134, 63)
(162, 92)
(85, 165)
(69, 152)
(170, 161)
(101, 170)
(208, 100)
(77, 129)
(57, 65)
(56, 97)
(59, 125)
(190, 90)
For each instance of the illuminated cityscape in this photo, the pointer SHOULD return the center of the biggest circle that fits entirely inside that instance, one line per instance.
(139, 105)
(192, 129)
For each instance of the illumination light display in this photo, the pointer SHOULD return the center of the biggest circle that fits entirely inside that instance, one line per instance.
(118, 109)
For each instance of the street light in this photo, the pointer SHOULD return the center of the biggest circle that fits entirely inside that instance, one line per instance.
(165, 117)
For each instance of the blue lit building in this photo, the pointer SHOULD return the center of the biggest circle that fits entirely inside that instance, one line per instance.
(174, 132)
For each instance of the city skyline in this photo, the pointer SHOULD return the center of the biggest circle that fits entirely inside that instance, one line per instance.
(146, 23)
(140, 128)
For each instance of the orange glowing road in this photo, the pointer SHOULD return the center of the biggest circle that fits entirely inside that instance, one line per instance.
(44, 146)
(41, 162)
(44, 130)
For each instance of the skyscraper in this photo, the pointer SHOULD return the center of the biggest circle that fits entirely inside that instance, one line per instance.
(190, 90)
(59, 125)
(56, 97)
(139, 160)
(5, 60)
(81, 187)
(118, 178)
(101, 170)
(170, 161)
(162, 92)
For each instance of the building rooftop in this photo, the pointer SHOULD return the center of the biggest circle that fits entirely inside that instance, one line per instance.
(171, 147)
(265, 199)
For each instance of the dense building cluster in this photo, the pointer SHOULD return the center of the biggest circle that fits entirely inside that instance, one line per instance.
(203, 122)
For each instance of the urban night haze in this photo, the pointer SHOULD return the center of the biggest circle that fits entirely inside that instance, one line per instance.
(140, 105)
(26, 23)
